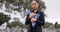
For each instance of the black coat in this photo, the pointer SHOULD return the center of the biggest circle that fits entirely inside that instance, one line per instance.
(39, 23)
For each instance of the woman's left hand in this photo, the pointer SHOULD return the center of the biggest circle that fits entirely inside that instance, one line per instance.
(33, 19)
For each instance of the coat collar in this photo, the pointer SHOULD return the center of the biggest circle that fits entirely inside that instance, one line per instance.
(35, 12)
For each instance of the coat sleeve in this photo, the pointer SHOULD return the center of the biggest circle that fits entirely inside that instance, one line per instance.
(41, 20)
(27, 21)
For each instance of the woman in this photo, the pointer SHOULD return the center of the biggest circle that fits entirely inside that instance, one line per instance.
(34, 21)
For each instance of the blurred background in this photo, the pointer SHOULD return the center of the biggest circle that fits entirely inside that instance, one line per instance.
(13, 14)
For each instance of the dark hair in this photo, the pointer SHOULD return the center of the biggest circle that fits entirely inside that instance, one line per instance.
(37, 1)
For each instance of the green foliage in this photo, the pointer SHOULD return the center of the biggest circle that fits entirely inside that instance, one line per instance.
(56, 25)
(24, 3)
(9, 25)
(47, 24)
(3, 18)
(51, 25)
(1, 0)
(42, 5)
(16, 23)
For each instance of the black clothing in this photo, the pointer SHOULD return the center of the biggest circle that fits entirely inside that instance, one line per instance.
(39, 22)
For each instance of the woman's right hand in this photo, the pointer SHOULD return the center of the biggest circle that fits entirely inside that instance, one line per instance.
(32, 14)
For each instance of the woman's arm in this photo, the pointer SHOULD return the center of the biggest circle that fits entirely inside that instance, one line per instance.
(41, 21)
(27, 20)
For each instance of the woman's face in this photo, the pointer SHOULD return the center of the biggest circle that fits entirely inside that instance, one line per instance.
(34, 5)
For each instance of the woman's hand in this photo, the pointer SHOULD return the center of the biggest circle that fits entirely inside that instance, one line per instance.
(33, 19)
(32, 15)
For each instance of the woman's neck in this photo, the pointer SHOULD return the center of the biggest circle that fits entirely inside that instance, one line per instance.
(35, 10)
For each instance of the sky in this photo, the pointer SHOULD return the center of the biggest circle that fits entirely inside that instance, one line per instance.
(52, 10)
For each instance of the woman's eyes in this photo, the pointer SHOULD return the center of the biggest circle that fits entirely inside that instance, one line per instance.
(34, 4)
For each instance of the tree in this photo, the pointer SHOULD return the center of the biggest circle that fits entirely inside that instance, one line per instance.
(56, 25)
(24, 3)
(3, 18)
(47, 25)
(16, 23)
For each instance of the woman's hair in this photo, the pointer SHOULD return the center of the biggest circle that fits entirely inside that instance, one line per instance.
(37, 1)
